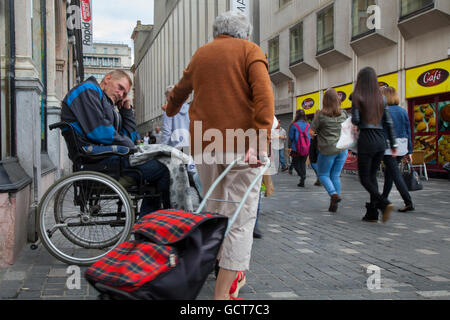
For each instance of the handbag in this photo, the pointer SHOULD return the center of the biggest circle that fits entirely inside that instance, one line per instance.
(411, 178)
(347, 138)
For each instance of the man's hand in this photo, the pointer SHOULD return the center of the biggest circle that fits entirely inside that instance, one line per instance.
(164, 107)
(125, 103)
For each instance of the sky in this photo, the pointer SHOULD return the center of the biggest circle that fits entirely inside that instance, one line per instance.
(114, 20)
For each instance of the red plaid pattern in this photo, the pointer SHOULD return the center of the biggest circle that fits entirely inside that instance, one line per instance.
(169, 226)
(130, 265)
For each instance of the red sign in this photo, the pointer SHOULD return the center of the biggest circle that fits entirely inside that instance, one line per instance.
(432, 77)
(85, 10)
(308, 104)
(351, 163)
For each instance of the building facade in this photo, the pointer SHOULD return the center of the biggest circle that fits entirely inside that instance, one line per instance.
(313, 45)
(40, 59)
(104, 57)
(163, 50)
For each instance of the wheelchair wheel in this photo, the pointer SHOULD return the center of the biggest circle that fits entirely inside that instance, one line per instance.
(83, 216)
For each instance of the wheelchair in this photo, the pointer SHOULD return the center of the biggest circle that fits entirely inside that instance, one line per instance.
(87, 213)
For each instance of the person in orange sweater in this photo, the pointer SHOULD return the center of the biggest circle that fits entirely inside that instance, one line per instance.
(233, 104)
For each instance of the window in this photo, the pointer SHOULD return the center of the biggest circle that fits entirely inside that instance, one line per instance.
(296, 44)
(274, 61)
(325, 29)
(116, 62)
(408, 7)
(359, 17)
(6, 81)
(116, 51)
(105, 50)
(94, 61)
(283, 3)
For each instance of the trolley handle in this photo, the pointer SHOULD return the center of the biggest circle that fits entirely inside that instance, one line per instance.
(263, 169)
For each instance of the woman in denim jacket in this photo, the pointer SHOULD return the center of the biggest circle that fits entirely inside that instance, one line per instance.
(405, 148)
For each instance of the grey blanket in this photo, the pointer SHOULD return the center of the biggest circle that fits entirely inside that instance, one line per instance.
(182, 195)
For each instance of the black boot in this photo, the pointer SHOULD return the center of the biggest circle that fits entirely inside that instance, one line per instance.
(301, 183)
(371, 214)
(257, 234)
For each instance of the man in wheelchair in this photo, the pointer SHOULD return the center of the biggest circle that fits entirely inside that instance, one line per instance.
(100, 128)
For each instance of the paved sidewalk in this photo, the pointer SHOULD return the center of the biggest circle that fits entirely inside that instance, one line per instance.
(307, 252)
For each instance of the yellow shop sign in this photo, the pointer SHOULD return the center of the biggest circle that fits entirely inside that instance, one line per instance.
(427, 80)
(344, 93)
(308, 102)
(389, 80)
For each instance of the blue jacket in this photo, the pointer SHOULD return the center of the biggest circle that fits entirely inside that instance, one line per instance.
(175, 130)
(294, 133)
(92, 115)
(401, 125)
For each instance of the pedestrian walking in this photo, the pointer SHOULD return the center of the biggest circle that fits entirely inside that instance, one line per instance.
(370, 115)
(300, 143)
(232, 91)
(279, 138)
(326, 127)
(402, 130)
(313, 155)
(175, 130)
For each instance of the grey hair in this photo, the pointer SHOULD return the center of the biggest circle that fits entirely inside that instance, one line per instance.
(169, 88)
(232, 23)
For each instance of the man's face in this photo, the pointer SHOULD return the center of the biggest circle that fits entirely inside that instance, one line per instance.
(116, 89)
(157, 129)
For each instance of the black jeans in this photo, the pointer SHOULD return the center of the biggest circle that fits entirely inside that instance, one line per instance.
(368, 165)
(299, 163)
(393, 175)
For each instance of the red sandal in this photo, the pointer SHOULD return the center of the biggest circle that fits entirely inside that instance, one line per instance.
(237, 284)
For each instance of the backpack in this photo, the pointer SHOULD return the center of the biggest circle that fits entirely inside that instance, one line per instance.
(303, 143)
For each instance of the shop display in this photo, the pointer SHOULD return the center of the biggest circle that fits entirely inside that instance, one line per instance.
(427, 144)
(444, 149)
(424, 118)
(444, 116)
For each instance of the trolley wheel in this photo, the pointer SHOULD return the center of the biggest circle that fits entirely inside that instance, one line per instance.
(83, 216)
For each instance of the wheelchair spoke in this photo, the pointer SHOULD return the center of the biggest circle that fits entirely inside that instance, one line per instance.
(86, 215)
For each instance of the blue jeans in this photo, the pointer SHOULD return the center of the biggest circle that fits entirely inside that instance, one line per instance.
(282, 162)
(329, 170)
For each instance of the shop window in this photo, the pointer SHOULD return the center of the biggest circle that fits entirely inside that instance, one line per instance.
(359, 17)
(274, 54)
(411, 7)
(283, 3)
(39, 54)
(325, 29)
(431, 128)
(296, 44)
(5, 83)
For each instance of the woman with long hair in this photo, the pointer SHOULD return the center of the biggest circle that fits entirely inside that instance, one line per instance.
(326, 126)
(299, 128)
(370, 115)
(405, 148)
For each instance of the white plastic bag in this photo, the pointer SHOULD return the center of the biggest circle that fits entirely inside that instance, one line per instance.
(348, 137)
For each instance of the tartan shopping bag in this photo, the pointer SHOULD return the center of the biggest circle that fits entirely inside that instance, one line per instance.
(170, 258)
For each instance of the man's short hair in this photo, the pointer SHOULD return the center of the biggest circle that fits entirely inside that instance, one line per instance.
(119, 74)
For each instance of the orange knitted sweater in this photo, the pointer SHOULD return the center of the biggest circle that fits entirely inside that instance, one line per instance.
(232, 90)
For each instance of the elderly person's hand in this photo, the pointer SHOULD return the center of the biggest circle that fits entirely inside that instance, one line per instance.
(252, 158)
